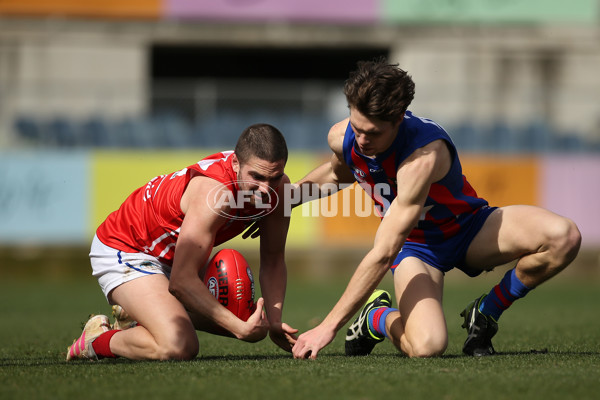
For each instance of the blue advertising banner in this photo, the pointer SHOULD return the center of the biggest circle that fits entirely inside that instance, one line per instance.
(44, 197)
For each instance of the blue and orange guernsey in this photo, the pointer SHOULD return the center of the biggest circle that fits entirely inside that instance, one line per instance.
(450, 201)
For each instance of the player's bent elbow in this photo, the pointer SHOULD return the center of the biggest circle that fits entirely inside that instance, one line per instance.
(385, 257)
(175, 289)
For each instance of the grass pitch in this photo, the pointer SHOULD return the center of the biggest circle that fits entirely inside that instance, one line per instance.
(549, 345)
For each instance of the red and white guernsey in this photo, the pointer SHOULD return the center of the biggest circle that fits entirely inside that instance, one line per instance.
(150, 218)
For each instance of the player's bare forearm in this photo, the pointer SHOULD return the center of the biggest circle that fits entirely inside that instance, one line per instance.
(311, 186)
(273, 282)
(186, 285)
(195, 297)
(273, 275)
(365, 279)
(320, 175)
(273, 270)
(323, 181)
(389, 240)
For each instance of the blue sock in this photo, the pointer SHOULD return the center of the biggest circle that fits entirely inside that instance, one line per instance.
(502, 295)
(376, 320)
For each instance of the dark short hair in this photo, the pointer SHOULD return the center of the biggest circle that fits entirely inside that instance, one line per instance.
(263, 141)
(379, 89)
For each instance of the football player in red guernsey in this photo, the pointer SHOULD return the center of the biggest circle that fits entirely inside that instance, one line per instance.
(148, 255)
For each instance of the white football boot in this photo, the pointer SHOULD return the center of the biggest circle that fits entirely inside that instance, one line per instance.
(122, 320)
(82, 347)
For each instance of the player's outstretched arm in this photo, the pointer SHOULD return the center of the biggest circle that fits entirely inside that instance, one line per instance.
(389, 239)
(415, 176)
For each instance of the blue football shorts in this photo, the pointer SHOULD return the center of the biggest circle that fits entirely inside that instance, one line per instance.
(451, 252)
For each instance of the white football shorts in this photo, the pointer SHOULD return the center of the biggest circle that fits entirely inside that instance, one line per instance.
(114, 267)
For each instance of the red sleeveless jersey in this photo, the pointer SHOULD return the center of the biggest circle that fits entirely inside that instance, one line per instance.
(150, 218)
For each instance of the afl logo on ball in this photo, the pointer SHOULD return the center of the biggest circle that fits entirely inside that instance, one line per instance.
(251, 277)
(213, 286)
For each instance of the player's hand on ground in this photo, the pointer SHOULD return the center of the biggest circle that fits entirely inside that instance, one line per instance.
(257, 326)
(283, 336)
(311, 342)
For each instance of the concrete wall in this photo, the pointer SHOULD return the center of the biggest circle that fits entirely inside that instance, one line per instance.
(56, 72)
(482, 75)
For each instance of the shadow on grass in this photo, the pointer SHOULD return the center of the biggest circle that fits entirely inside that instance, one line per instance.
(48, 361)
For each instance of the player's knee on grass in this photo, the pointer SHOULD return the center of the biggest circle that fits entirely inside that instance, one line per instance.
(179, 347)
(179, 352)
(427, 345)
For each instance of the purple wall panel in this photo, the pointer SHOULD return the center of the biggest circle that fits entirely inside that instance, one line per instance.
(570, 186)
(343, 11)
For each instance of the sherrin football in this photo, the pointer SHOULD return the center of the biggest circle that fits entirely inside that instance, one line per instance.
(229, 278)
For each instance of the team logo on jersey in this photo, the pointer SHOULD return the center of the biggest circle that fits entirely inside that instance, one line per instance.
(242, 204)
(359, 174)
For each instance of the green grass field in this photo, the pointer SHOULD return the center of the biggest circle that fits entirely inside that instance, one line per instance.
(548, 344)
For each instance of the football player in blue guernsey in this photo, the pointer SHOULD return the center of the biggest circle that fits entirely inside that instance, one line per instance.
(432, 221)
